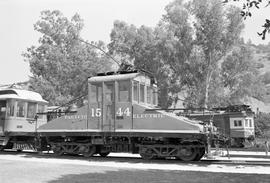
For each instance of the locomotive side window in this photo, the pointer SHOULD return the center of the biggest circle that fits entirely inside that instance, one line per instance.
(135, 91)
(154, 96)
(20, 109)
(11, 108)
(142, 93)
(123, 94)
(148, 97)
(31, 110)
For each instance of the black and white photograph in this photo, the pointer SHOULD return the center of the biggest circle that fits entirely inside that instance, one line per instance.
(134, 91)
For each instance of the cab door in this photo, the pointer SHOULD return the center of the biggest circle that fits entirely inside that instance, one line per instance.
(108, 107)
(2, 116)
(123, 106)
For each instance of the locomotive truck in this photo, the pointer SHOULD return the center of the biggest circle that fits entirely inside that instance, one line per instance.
(121, 116)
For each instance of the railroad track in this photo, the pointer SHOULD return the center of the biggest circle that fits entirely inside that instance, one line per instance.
(237, 162)
(135, 159)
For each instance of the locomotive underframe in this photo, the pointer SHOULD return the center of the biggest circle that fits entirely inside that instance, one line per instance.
(187, 147)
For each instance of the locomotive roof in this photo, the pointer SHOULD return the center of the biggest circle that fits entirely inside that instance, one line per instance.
(10, 93)
(114, 76)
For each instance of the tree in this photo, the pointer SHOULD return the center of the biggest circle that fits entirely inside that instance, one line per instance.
(240, 75)
(163, 50)
(61, 63)
(248, 5)
(175, 47)
(138, 45)
(217, 30)
(182, 54)
(266, 78)
(262, 124)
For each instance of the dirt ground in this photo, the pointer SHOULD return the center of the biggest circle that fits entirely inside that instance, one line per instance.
(41, 172)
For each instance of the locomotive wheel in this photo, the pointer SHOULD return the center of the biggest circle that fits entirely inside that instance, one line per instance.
(188, 154)
(147, 154)
(89, 151)
(58, 150)
(104, 154)
(2, 148)
(200, 154)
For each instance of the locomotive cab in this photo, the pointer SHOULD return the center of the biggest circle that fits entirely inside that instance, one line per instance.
(111, 99)
(127, 102)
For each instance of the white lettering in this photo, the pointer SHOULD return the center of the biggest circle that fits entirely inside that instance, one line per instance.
(76, 117)
(140, 116)
(95, 112)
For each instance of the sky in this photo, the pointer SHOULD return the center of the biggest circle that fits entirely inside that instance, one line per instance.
(17, 18)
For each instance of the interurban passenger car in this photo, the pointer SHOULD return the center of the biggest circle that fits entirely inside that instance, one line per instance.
(236, 122)
(18, 120)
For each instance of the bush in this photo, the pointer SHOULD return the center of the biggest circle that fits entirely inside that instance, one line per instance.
(262, 124)
(259, 65)
(266, 78)
(251, 138)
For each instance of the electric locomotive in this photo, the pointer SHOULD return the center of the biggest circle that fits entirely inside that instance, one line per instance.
(121, 116)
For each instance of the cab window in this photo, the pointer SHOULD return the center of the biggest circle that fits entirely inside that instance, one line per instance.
(20, 109)
(31, 110)
(123, 95)
(96, 93)
(135, 91)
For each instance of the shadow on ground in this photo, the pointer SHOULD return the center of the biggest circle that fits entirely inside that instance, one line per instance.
(150, 176)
